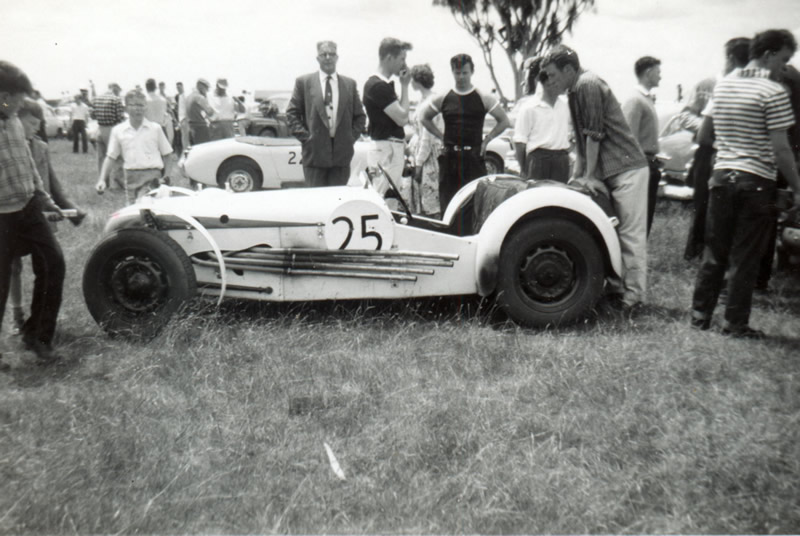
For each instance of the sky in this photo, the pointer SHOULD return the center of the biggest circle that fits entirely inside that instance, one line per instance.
(266, 44)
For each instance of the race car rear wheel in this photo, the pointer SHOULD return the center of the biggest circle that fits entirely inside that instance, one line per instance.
(135, 280)
(550, 272)
(241, 174)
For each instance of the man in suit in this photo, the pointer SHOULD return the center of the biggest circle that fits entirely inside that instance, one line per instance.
(326, 115)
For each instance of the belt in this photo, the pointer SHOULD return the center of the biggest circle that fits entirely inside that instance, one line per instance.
(460, 148)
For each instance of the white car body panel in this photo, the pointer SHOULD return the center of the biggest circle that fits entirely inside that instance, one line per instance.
(307, 219)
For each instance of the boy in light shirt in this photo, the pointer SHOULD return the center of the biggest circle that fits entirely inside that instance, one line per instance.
(143, 147)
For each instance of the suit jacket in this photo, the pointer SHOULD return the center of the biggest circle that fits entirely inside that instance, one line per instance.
(308, 121)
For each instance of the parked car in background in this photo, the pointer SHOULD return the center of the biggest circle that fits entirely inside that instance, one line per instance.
(247, 163)
(266, 117)
(53, 124)
(63, 115)
(676, 151)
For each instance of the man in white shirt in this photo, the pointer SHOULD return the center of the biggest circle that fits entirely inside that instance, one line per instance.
(142, 145)
(79, 114)
(541, 131)
(225, 109)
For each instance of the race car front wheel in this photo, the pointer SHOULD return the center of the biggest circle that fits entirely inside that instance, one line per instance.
(135, 280)
(550, 272)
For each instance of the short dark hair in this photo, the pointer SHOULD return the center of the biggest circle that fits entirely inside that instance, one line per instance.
(422, 75)
(738, 48)
(460, 60)
(150, 84)
(31, 107)
(771, 41)
(13, 79)
(392, 47)
(561, 56)
(534, 66)
(644, 63)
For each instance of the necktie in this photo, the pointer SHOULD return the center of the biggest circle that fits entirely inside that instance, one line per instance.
(328, 91)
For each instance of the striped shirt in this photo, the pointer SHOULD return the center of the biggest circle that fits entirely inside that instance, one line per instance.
(18, 176)
(596, 113)
(747, 105)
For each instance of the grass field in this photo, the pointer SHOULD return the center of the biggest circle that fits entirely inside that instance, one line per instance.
(443, 420)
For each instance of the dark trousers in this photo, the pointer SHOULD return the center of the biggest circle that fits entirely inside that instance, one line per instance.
(199, 133)
(27, 232)
(79, 129)
(740, 209)
(326, 176)
(652, 189)
(544, 164)
(699, 174)
(457, 168)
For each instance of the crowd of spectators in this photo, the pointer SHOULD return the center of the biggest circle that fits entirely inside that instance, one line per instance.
(571, 128)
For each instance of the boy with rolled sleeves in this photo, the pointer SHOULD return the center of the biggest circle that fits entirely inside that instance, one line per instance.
(143, 147)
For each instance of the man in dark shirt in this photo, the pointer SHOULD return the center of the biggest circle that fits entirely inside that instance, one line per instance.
(387, 114)
(463, 110)
(198, 113)
(108, 111)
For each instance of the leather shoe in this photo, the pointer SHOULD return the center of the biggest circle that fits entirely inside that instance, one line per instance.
(44, 352)
(701, 324)
(744, 333)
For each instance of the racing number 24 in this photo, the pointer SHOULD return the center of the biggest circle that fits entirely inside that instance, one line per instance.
(364, 232)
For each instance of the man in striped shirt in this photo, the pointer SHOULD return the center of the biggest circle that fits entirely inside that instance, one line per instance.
(609, 161)
(751, 115)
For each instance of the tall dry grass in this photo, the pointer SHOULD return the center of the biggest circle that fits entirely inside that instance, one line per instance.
(444, 418)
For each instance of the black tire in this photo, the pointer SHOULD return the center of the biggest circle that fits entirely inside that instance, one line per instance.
(135, 280)
(268, 133)
(550, 272)
(241, 174)
(494, 164)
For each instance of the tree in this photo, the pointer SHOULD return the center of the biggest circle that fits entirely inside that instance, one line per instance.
(522, 28)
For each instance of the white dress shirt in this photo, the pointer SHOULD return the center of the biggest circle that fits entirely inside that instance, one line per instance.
(541, 126)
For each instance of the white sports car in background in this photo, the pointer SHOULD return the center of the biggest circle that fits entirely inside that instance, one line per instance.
(247, 163)
(543, 250)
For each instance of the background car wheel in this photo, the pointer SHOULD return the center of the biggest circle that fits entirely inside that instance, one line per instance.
(135, 280)
(268, 133)
(550, 272)
(494, 164)
(241, 174)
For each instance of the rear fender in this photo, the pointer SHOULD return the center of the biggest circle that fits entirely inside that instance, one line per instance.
(541, 202)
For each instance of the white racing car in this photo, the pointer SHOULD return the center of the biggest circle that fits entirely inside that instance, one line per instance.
(543, 250)
(247, 163)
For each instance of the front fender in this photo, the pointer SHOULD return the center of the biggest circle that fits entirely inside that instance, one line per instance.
(544, 201)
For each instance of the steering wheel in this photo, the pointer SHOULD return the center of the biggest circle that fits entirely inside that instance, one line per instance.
(397, 191)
